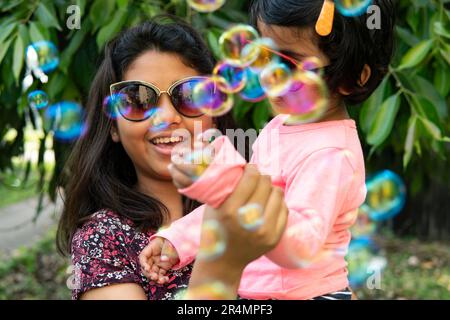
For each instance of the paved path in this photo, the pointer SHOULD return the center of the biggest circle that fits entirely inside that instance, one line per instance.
(17, 228)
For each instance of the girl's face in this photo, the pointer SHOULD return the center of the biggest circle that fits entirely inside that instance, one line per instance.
(299, 45)
(144, 143)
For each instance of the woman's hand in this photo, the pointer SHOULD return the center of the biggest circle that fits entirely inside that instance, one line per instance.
(243, 245)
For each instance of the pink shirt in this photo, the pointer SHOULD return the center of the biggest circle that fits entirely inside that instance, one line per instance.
(320, 167)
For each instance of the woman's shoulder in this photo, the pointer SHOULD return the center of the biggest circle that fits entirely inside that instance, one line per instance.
(107, 229)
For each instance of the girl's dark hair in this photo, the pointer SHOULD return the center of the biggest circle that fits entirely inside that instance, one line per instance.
(349, 47)
(99, 174)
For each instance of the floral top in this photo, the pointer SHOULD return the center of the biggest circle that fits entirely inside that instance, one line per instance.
(105, 250)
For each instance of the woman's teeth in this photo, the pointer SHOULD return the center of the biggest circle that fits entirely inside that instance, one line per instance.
(167, 140)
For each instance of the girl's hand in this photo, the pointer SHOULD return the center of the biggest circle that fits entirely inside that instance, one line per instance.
(185, 169)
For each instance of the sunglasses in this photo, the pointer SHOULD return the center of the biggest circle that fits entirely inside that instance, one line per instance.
(137, 100)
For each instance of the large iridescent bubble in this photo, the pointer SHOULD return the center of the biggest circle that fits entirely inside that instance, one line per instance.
(66, 120)
(386, 195)
(232, 44)
(305, 101)
(235, 77)
(43, 55)
(210, 99)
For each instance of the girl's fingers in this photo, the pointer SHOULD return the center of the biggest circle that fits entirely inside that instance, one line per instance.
(180, 179)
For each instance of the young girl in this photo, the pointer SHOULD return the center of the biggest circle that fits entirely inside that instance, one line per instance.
(319, 165)
(118, 190)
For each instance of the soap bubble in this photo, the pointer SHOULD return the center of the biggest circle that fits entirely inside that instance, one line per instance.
(251, 217)
(42, 55)
(213, 240)
(38, 99)
(205, 5)
(208, 97)
(306, 100)
(232, 43)
(262, 51)
(386, 195)
(235, 77)
(352, 8)
(66, 120)
(276, 79)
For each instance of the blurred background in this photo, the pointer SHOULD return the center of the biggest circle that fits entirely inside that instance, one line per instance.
(404, 128)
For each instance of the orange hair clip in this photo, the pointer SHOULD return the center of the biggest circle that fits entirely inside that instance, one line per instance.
(324, 24)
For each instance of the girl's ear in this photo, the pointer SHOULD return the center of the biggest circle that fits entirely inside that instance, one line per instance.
(365, 75)
(115, 134)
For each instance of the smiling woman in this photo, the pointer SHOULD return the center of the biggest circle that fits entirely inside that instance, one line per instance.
(118, 188)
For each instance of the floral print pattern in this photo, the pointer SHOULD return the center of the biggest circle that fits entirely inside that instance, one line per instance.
(105, 250)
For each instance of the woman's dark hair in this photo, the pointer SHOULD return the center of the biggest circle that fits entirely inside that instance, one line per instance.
(350, 45)
(99, 174)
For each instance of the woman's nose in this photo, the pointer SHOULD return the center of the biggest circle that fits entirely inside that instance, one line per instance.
(166, 112)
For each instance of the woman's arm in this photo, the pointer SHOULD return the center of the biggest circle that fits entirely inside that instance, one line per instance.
(243, 246)
(121, 291)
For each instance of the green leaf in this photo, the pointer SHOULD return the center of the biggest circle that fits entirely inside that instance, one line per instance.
(440, 30)
(4, 48)
(442, 80)
(445, 52)
(107, 32)
(410, 139)
(384, 121)
(6, 32)
(371, 106)
(428, 90)
(260, 115)
(75, 43)
(100, 13)
(407, 36)
(35, 34)
(431, 128)
(425, 108)
(416, 55)
(56, 84)
(19, 52)
(46, 17)
(24, 34)
(213, 42)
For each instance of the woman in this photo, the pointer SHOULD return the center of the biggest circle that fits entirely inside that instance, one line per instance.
(119, 190)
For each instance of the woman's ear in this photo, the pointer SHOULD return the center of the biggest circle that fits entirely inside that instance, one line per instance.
(115, 134)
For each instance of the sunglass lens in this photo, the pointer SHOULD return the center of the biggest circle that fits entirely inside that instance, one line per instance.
(137, 102)
(183, 101)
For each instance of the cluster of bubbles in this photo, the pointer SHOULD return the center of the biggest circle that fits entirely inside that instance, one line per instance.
(352, 8)
(253, 68)
(386, 195)
(65, 119)
(348, 8)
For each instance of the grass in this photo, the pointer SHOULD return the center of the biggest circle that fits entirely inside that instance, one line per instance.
(416, 270)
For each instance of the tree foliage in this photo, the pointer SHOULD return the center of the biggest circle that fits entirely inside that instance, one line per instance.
(404, 124)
